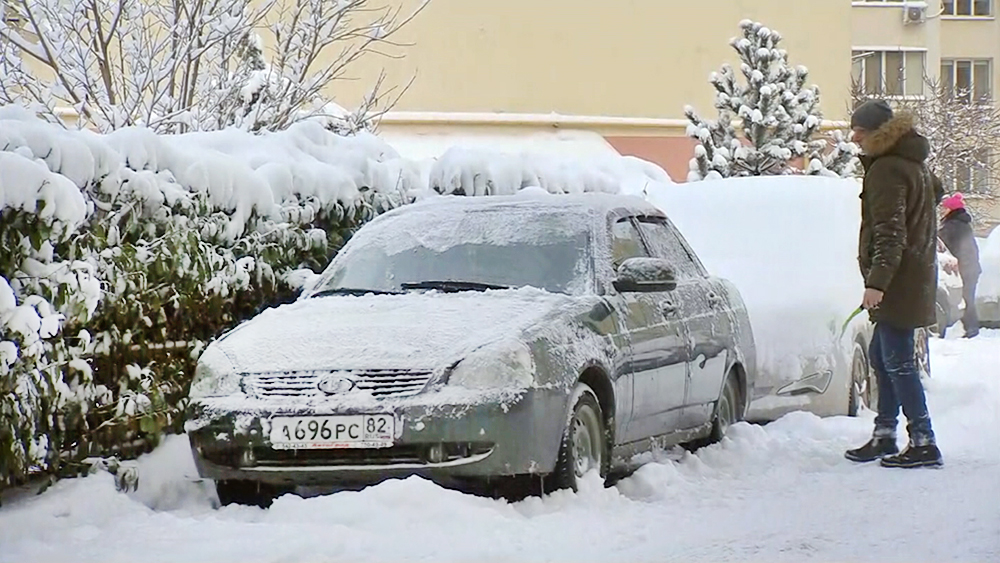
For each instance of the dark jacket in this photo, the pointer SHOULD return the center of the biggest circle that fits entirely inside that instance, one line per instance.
(956, 234)
(897, 248)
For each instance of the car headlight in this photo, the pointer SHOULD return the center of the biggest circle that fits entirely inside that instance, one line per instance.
(507, 365)
(214, 376)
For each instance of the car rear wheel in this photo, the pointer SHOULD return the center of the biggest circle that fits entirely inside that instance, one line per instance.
(922, 351)
(861, 382)
(585, 444)
(250, 493)
(941, 320)
(864, 384)
(728, 410)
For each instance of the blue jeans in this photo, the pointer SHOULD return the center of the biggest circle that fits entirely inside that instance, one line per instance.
(891, 354)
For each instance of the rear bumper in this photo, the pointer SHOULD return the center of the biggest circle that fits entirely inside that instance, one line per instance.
(443, 442)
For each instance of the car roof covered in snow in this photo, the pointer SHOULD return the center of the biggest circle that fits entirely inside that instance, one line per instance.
(539, 201)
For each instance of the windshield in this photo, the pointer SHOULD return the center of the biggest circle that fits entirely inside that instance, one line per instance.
(465, 250)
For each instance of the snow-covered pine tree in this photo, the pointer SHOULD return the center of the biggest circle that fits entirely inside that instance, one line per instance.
(766, 122)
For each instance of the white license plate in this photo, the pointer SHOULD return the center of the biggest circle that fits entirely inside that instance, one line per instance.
(332, 432)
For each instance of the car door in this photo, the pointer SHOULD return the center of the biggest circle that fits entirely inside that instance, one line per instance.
(657, 365)
(702, 310)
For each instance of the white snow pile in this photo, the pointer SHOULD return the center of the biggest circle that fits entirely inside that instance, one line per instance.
(568, 161)
(789, 243)
(485, 171)
(781, 492)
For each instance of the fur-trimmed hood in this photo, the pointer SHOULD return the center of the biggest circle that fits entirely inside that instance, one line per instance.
(897, 136)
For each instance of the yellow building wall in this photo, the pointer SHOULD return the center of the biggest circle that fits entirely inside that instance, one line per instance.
(636, 58)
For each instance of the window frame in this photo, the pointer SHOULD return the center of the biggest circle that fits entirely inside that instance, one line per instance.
(972, 15)
(952, 88)
(860, 56)
(699, 269)
(630, 219)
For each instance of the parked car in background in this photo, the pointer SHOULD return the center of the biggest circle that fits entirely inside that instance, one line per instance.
(789, 243)
(470, 339)
(988, 290)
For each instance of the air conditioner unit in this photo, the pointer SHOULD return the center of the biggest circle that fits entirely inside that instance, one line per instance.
(914, 12)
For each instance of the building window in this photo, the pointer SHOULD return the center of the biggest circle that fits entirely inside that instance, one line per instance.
(968, 80)
(970, 174)
(889, 73)
(967, 8)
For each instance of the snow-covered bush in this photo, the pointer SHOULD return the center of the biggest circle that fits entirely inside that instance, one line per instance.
(768, 122)
(123, 253)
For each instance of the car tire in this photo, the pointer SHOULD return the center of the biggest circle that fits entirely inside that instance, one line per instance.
(922, 352)
(861, 382)
(728, 409)
(584, 444)
(941, 320)
(250, 493)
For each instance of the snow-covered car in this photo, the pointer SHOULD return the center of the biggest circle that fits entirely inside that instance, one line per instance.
(478, 338)
(988, 289)
(789, 243)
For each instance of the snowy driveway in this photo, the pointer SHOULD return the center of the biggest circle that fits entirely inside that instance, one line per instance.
(782, 492)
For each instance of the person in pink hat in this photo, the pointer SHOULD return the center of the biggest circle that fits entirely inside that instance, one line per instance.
(957, 235)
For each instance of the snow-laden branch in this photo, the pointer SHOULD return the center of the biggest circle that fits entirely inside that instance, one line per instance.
(183, 65)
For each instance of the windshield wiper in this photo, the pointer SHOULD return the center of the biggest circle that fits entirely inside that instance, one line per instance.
(452, 286)
(351, 291)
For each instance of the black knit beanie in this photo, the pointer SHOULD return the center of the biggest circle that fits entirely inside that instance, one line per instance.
(871, 115)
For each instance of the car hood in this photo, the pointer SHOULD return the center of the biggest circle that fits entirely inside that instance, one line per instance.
(410, 331)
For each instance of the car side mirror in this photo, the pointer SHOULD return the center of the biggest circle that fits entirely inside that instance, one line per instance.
(645, 274)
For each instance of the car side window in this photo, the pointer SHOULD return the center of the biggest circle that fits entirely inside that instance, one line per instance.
(666, 243)
(625, 242)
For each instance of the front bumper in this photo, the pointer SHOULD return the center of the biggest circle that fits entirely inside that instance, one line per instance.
(444, 442)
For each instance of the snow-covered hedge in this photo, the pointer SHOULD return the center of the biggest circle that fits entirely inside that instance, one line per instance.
(122, 254)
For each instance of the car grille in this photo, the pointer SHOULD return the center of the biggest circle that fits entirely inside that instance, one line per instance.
(379, 383)
(396, 455)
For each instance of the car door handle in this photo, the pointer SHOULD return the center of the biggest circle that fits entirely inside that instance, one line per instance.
(668, 308)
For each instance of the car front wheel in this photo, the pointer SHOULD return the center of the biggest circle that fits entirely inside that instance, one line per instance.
(728, 409)
(584, 444)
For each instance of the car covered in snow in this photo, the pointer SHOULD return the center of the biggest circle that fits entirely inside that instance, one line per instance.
(988, 288)
(790, 244)
(474, 339)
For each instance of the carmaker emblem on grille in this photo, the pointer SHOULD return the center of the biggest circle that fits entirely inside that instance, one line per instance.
(335, 384)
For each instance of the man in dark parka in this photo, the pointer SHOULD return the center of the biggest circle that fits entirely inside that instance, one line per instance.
(897, 252)
(957, 235)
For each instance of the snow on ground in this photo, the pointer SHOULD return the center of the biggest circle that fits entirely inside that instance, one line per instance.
(781, 492)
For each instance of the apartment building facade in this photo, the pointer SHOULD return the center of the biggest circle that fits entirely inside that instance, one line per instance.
(907, 50)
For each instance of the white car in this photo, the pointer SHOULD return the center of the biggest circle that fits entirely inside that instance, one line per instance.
(790, 244)
(988, 290)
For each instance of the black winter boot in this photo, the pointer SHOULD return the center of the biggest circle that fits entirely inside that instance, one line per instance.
(876, 448)
(915, 456)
